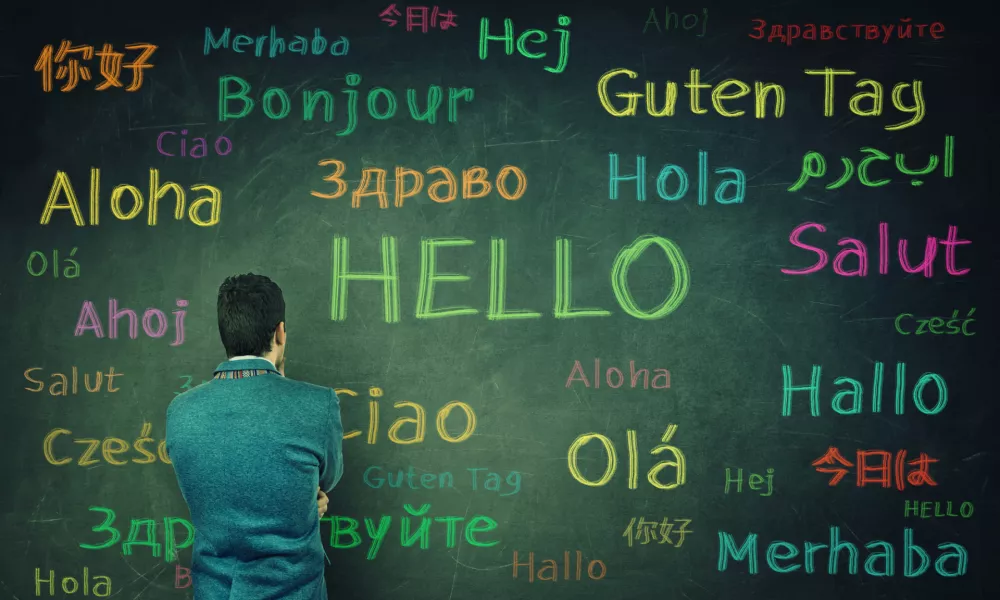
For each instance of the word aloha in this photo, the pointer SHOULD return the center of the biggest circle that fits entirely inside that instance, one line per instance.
(377, 477)
(73, 72)
(903, 30)
(276, 44)
(881, 476)
(679, 462)
(647, 530)
(419, 422)
(417, 18)
(70, 585)
(60, 383)
(855, 391)
(70, 271)
(549, 570)
(577, 374)
(90, 321)
(524, 39)
(931, 325)
(814, 165)
(143, 526)
(916, 508)
(678, 21)
(110, 447)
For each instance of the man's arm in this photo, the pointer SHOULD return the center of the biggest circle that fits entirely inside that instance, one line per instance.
(332, 468)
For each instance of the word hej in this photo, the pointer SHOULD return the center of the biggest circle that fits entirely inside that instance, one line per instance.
(854, 391)
(679, 463)
(110, 448)
(811, 32)
(738, 182)
(814, 165)
(377, 477)
(677, 21)
(916, 508)
(524, 39)
(472, 178)
(157, 191)
(276, 44)
(417, 17)
(647, 530)
(70, 271)
(754, 482)
(577, 374)
(419, 421)
(884, 473)
(73, 71)
(70, 585)
(200, 147)
(60, 385)
(549, 571)
(930, 325)
(90, 321)
(722, 92)
(498, 311)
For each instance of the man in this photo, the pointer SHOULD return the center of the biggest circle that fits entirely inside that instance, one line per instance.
(250, 449)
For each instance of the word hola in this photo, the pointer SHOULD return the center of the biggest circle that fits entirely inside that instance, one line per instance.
(932, 325)
(679, 463)
(276, 44)
(754, 481)
(856, 249)
(62, 185)
(70, 271)
(577, 374)
(781, 551)
(377, 477)
(417, 18)
(524, 39)
(60, 382)
(200, 147)
(814, 165)
(812, 32)
(66, 64)
(549, 571)
(647, 531)
(875, 97)
(854, 392)
(147, 526)
(677, 20)
(882, 474)
(110, 447)
(738, 181)
(70, 585)
(419, 422)
(90, 321)
(914, 508)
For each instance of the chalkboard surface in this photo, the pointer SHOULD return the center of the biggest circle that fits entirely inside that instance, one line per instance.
(621, 301)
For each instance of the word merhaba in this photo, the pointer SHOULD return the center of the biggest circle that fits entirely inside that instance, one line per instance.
(276, 44)
(90, 321)
(855, 392)
(498, 311)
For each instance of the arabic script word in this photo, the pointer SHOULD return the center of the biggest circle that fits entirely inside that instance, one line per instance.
(814, 165)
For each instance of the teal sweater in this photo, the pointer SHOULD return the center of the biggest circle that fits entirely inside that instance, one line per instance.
(249, 454)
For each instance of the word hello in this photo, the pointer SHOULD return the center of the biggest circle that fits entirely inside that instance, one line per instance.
(753, 483)
(855, 392)
(90, 321)
(200, 147)
(738, 181)
(276, 44)
(933, 325)
(577, 374)
(550, 569)
(70, 271)
(60, 382)
(524, 39)
(914, 508)
(70, 585)
(62, 185)
(691, 18)
(377, 477)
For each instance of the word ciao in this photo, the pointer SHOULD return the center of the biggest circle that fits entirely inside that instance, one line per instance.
(90, 321)
(678, 21)
(471, 178)
(577, 374)
(498, 311)
(679, 463)
(377, 477)
(200, 147)
(70, 271)
(781, 551)
(60, 383)
(916, 508)
(549, 571)
(855, 392)
(738, 182)
(931, 325)
(419, 421)
(111, 448)
(814, 165)
(647, 531)
(753, 482)
(148, 527)
(903, 30)
(524, 39)
(70, 585)
(275, 44)
(62, 185)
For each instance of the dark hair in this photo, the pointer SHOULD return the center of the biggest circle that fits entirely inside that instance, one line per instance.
(250, 308)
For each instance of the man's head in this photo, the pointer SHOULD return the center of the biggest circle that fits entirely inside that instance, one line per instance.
(252, 317)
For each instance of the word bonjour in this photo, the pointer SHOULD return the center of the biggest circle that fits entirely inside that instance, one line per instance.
(856, 391)
(679, 463)
(61, 184)
(931, 325)
(814, 165)
(857, 249)
(761, 90)
(647, 530)
(199, 145)
(678, 21)
(149, 527)
(377, 477)
(110, 447)
(563, 301)
(70, 271)
(549, 571)
(473, 176)
(738, 181)
(882, 474)
(417, 17)
(71, 585)
(60, 383)
(754, 481)
(276, 44)
(903, 29)
(916, 508)
(90, 321)
(780, 551)
(524, 39)
(74, 72)
(577, 374)
(419, 422)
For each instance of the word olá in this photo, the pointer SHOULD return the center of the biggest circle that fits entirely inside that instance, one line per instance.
(70, 271)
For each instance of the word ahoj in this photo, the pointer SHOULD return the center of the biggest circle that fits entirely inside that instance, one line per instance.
(647, 530)
(200, 147)
(498, 311)
(62, 185)
(147, 526)
(814, 165)
(110, 447)
(931, 325)
(419, 422)
(679, 463)
(60, 382)
(577, 374)
(417, 18)
(678, 21)
(875, 96)
(74, 72)
(904, 30)
(753, 482)
(914, 508)
(883, 473)
(90, 321)
(856, 248)
(738, 181)
(70, 271)
(377, 477)
(550, 569)
(471, 177)
(781, 551)
(276, 44)
(524, 39)
(855, 392)
(70, 585)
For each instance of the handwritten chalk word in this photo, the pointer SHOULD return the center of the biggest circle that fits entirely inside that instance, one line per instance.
(182, 577)
(781, 551)
(341, 526)
(677, 20)
(200, 147)
(738, 181)
(855, 248)
(524, 39)
(378, 477)
(812, 32)
(157, 191)
(187, 384)
(814, 165)
(881, 473)
(855, 392)
(110, 447)
(73, 71)
(613, 373)
(472, 178)
(647, 531)
(875, 97)
(549, 571)
(679, 463)
(149, 528)
(311, 98)
(276, 44)
(60, 383)
(71, 585)
(753, 482)
(931, 325)
(498, 311)
(417, 17)
(419, 421)
(916, 508)
(90, 321)
(70, 271)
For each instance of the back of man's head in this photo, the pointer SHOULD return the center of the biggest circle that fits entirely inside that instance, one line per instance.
(250, 309)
